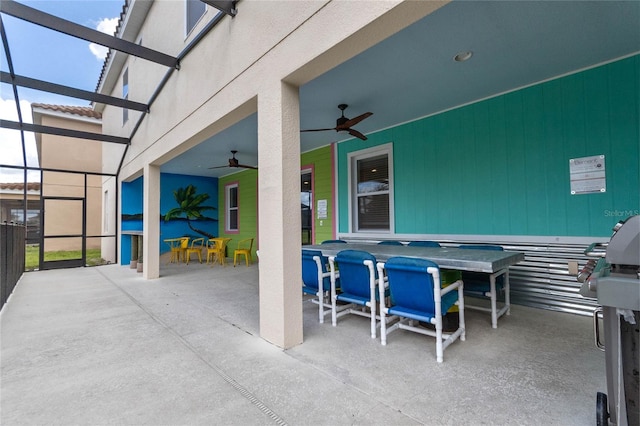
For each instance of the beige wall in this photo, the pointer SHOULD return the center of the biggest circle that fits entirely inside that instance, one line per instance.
(109, 219)
(253, 62)
(65, 153)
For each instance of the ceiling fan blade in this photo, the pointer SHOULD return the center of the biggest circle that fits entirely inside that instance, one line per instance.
(246, 167)
(352, 122)
(317, 130)
(357, 134)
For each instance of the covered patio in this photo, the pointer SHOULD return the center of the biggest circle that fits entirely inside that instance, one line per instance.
(103, 345)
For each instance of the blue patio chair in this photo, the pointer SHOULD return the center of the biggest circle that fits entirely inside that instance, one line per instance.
(316, 280)
(334, 241)
(416, 295)
(390, 243)
(424, 244)
(358, 285)
(479, 285)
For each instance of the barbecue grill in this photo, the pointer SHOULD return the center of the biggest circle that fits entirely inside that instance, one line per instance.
(612, 275)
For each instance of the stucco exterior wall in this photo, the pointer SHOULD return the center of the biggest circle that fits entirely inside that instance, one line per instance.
(218, 82)
(64, 153)
(253, 62)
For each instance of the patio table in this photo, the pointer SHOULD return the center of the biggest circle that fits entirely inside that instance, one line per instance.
(492, 262)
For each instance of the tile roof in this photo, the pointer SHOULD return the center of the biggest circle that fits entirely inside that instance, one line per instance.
(123, 14)
(19, 186)
(70, 109)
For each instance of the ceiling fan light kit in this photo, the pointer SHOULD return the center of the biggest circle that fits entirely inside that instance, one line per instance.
(344, 124)
(463, 56)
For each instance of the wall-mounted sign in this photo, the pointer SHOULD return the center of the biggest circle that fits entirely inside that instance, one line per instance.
(322, 209)
(587, 175)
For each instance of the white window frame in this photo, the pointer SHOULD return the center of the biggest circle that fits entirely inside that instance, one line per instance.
(353, 158)
(228, 208)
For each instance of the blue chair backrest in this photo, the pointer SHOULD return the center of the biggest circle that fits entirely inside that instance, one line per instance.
(410, 285)
(333, 241)
(390, 243)
(354, 274)
(424, 243)
(481, 247)
(310, 270)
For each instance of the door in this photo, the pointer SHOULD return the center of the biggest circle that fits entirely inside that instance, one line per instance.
(63, 243)
(306, 206)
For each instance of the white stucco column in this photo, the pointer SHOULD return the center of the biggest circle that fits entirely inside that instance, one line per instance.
(151, 222)
(279, 215)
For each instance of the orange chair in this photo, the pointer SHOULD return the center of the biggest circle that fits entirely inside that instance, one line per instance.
(216, 250)
(196, 247)
(244, 249)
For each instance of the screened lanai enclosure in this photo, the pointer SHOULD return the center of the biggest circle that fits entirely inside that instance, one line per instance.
(61, 158)
(442, 98)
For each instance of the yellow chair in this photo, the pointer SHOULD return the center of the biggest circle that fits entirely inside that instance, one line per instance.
(216, 250)
(244, 249)
(175, 244)
(196, 247)
(184, 245)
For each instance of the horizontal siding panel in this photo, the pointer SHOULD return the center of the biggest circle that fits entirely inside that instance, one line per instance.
(542, 279)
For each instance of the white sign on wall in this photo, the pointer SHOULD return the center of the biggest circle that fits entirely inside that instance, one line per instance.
(322, 209)
(587, 175)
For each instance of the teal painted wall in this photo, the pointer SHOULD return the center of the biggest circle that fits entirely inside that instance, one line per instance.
(501, 166)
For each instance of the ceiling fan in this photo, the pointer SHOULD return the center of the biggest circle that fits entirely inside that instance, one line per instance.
(344, 124)
(233, 162)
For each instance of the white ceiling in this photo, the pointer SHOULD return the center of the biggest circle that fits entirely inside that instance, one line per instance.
(412, 74)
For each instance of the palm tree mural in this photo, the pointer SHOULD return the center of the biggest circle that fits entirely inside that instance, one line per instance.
(190, 207)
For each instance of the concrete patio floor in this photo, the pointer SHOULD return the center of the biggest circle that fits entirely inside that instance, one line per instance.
(102, 345)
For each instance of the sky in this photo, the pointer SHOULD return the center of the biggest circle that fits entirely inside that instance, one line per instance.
(44, 54)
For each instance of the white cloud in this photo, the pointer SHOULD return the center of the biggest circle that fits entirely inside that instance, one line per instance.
(11, 153)
(107, 26)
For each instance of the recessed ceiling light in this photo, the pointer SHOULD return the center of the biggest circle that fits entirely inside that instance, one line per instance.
(463, 56)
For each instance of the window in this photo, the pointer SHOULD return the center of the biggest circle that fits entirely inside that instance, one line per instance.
(371, 188)
(231, 207)
(195, 10)
(125, 94)
(33, 217)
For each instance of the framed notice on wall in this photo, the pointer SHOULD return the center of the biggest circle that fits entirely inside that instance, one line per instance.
(587, 175)
(322, 209)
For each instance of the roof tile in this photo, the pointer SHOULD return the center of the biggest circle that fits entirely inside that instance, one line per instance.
(19, 186)
(70, 109)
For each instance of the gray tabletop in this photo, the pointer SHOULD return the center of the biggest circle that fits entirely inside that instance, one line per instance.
(488, 261)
